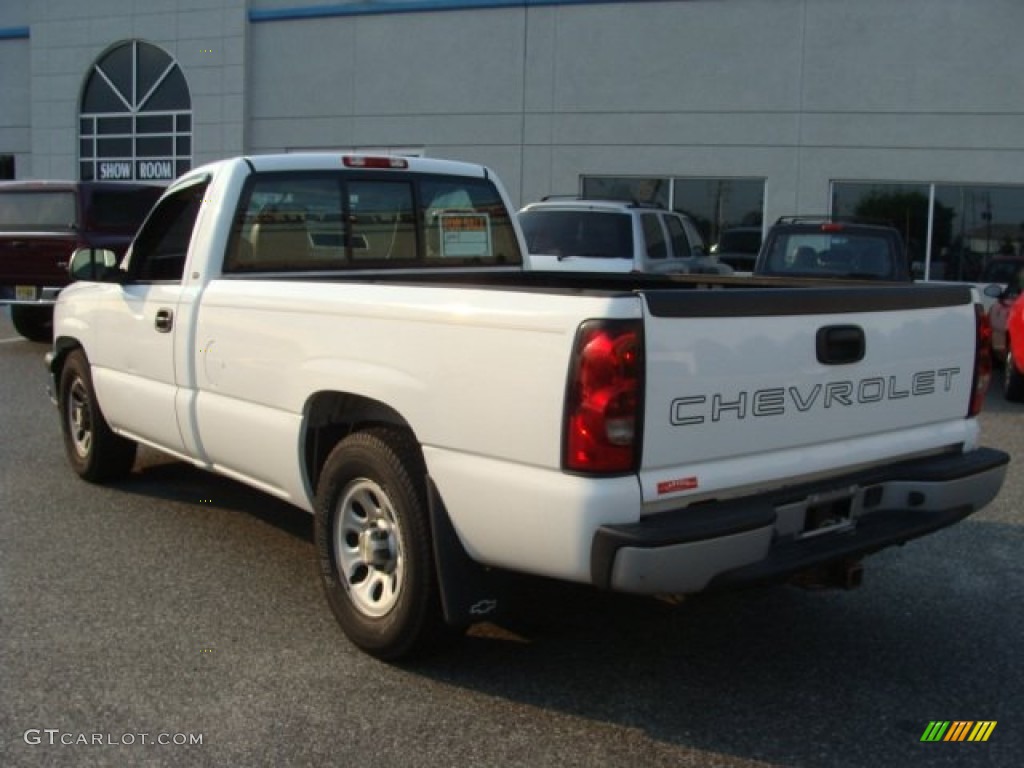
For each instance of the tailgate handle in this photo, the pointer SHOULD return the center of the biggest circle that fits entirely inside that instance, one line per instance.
(840, 344)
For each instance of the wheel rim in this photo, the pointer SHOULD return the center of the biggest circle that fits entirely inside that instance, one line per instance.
(368, 548)
(79, 418)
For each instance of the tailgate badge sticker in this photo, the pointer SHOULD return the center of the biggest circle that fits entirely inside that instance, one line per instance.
(680, 484)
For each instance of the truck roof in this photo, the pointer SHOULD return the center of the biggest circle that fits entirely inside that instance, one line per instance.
(329, 161)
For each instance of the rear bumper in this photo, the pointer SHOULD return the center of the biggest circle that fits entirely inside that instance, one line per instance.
(45, 295)
(777, 534)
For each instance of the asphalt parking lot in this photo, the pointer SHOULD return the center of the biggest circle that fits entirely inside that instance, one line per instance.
(178, 607)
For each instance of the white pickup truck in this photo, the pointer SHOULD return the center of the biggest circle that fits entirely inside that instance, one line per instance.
(356, 335)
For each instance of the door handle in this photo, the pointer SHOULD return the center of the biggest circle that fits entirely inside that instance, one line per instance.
(164, 320)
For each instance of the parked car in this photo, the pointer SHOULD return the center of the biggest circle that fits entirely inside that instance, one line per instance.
(613, 236)
(1003, 300)
(998, 280)
(43, 222)
(738, 247)
(817, 246)
(1002, 270)
(1013, 359)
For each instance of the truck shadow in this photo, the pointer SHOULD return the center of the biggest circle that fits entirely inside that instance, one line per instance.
(774, 674)
(766, 675)
(994, 400)
(158, 476)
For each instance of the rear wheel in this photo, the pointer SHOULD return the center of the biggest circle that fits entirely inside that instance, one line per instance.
(1013, 379)
(374, 544)
(94, 451)
(34, 323)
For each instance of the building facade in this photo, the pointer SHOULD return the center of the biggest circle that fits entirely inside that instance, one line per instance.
(735, 111)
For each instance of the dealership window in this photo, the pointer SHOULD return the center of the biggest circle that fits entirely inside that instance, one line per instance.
(135, 121)
(952, 231)
(714, 204)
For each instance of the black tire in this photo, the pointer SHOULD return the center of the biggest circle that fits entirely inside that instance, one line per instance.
(95, 453)
(34, 323)
(1013, 379)
(374, 544)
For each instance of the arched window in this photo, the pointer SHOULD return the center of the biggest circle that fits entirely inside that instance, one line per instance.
(135, 121)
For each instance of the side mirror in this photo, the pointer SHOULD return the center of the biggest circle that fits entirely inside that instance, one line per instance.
(91, 263)
(993, 290)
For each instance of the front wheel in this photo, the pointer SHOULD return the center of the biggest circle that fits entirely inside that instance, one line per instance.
(1013, 379)
(95, 452)
(374, 544)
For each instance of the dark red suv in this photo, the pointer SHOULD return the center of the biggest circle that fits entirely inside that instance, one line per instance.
(43, 222)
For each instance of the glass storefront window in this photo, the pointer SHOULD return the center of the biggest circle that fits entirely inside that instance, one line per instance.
(646, 191)
(136, 116)
(985, 221)
(904, 206)
(970, 224)
(717, 205)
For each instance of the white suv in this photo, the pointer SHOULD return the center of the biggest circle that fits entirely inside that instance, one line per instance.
(613, 236)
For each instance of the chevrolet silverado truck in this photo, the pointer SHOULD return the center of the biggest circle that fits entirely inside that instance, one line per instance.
(357, 335)
(43, 222)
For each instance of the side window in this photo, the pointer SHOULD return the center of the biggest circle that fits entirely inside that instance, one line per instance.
(676, 233)
(697, 246)
(161, 247)
(654, 236)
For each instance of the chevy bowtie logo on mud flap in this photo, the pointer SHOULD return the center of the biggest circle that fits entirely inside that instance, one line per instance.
(777, 401)
(483, 607)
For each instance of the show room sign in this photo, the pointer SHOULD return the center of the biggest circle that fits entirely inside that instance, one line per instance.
(138, 170)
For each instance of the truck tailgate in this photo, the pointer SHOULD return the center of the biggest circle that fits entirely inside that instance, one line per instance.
(756, 387)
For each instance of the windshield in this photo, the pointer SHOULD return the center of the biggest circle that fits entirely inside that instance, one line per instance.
(30, 211)
(593, 234)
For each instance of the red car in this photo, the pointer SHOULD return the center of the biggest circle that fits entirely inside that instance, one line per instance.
(1013, 372)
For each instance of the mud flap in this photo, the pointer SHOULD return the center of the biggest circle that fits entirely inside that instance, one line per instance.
(470, 592)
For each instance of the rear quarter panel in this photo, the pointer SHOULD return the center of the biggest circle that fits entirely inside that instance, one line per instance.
(474, 372)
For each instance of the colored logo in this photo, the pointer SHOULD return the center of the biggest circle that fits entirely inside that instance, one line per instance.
(958, 730)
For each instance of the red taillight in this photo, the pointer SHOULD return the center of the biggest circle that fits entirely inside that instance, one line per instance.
(831, 226)
(365, 161)
(603, 403)
(982, 361)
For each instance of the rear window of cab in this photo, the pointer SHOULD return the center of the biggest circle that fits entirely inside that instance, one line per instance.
(343, 220)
